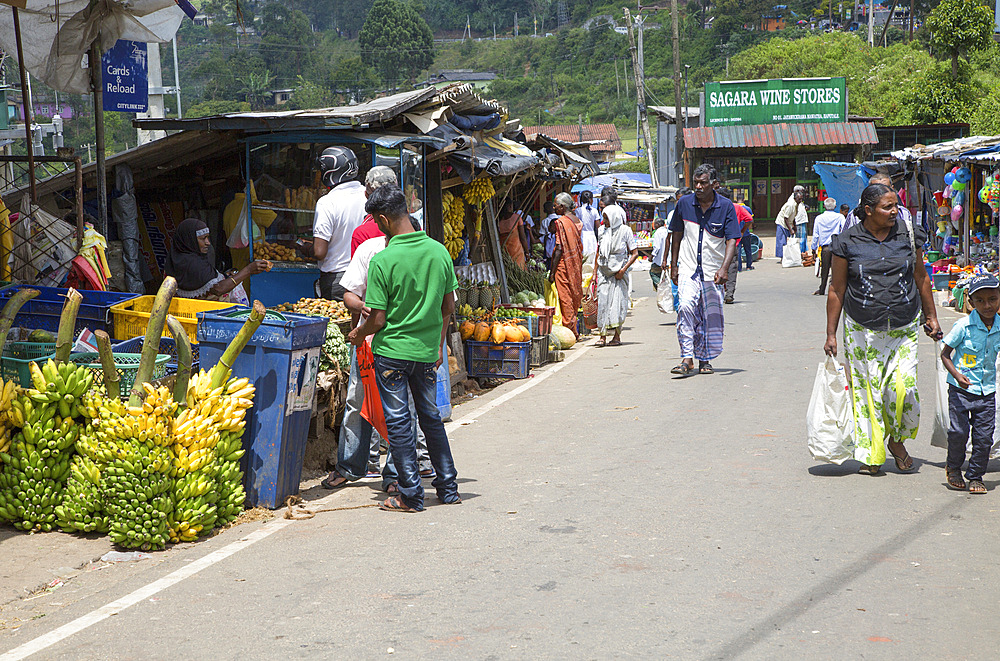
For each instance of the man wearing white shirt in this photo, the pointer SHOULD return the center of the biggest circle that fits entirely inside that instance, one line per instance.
(358, 445)
(338, 214)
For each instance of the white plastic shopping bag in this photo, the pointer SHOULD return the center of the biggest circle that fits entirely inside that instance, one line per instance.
(791, 256)
(829, 421)
(939, 437)
(665, 294)
(240, 237)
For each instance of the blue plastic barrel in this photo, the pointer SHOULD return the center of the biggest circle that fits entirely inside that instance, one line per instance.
(282, 361)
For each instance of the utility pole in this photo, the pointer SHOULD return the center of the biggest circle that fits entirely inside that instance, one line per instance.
(678, 132)
(617, 84)
(515, 25)
(871, 22)
(640, 91)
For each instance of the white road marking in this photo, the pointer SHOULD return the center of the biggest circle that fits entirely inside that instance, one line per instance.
(99, 615)
(83, 622)
(531, 383)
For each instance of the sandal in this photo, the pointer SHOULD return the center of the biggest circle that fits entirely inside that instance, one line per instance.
(955, 480)
(705, 367)
(327, 483)
(615, 343)
(601, 343)
(901, 460)
(395, 504)
(683, 369)
(977, 486)
(872, 469)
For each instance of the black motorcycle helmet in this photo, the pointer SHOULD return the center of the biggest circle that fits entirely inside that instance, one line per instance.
(338, 164)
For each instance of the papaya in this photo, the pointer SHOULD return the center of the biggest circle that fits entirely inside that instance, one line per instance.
(525, 334)
(482, 332)
(466, 329)
(513, 334)
(498, 333)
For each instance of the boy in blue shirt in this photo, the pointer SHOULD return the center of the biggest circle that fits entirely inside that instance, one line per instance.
(972, 384)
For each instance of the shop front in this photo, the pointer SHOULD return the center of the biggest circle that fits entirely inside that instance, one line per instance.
(763, 137)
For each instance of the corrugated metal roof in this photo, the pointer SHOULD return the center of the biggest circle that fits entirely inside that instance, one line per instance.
(780, 135)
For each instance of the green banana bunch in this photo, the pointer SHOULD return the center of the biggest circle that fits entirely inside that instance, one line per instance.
(136, 486)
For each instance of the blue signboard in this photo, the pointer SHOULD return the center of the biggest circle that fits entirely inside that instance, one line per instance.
(124, 75)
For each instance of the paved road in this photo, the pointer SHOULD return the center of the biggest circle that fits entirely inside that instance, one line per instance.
(610, 511)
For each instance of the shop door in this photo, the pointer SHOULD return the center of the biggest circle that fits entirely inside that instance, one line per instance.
(760, 201)
(780, 190)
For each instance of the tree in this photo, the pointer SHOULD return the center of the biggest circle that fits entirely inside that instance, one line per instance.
(959, 27)
(209, 108)
(309, 95)
(396, 41)
(354, 79)
(256, 88)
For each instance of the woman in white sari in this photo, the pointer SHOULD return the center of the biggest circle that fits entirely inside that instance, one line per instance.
(616, 252)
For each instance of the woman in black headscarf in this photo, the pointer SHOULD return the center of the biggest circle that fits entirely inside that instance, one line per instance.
(191, 261)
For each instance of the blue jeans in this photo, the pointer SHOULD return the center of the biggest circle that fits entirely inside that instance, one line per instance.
(802, 232)
(397, 381)
(357, 438)
(743, 252)
(975, 414)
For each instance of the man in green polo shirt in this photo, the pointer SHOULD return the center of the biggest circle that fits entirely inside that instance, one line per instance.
(410, 294)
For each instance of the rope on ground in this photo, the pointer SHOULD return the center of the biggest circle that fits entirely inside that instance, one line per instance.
(298, 512)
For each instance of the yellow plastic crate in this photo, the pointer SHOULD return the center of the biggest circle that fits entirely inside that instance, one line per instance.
(130, 317)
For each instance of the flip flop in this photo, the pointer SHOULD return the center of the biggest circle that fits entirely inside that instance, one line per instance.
(615, 343)
(901, 459)
(327, 483)
(395, 504)
(869, 470)
(601, 343)
(683, 369)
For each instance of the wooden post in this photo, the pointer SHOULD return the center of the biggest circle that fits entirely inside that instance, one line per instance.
(640, 94)
(678, 132)
(102, 179)
(26, 106)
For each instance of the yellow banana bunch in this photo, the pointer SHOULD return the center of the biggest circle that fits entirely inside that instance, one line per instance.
(479, 190)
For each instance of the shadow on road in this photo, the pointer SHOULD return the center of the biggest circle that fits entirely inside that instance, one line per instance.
(757, 633)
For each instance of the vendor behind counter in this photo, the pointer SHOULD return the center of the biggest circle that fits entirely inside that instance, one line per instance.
(191, 261)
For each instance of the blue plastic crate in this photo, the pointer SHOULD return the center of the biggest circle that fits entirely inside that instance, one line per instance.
(282, 361)
(42, 312)
(167, 346)
(497, 361)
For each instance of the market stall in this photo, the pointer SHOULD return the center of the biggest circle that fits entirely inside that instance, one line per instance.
(958, 187)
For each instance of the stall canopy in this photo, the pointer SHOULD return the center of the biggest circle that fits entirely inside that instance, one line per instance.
(977, 149)
(844, 182)
(780, 135)
(618, 180)
(58, 33)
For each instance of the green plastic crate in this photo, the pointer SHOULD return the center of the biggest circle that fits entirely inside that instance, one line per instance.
(127, 364)
(17, 356)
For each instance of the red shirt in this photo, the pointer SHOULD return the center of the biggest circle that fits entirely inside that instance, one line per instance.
(743, 216)
(366, 230)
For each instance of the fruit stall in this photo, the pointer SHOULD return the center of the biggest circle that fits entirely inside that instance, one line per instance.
(108, 442)
(642, 207)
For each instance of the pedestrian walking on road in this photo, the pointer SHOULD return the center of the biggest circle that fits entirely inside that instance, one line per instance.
(411, 285)
(567, 261)
(745, 250)
(703, 245)
(972, 384)
(616, 253)
(791, 215)
(745, 218)
(880, 284)
(658, 260)
(826, 227)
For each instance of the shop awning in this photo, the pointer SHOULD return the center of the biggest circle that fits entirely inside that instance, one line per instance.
(780, 135)
(975, 148)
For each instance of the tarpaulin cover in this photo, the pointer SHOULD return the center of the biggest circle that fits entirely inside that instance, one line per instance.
(844, 182)
(56, 34)
(596, 183)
